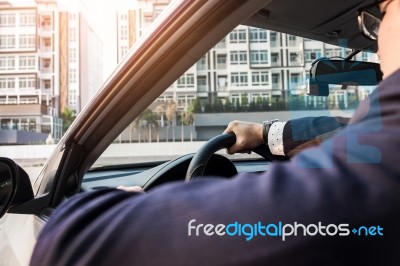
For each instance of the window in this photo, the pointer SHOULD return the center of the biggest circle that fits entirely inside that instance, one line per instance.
(27, 19)
(239, 79)
(72, 75)
(146, 19)
(274, 39)
(259, 57)
(275, 59)
(260, 78)
(11, 83)
(27, 83)
(293, 40)
(294, 57)
(72, 35)
(294, 80)
(46, 65)
(238, 36)
(46, 42)
(3, 63)
(7, 41)
(186, 81)
(221, 61)
(27, 62)
(72, 55)
(72, 98)
(202, 83)
(7, 20)
(275, 78)
(190, 99)
(47, 84)
(27, 41)
(312, 55)
(124, 51)
(3, 83)
(333, 52)
(222, 83)
(124, 33)
(235, 98)
(45, 21)
(202, 64)
(181, 101)
(258, 35)
(7, 62)
(238, 57)
(190, 80)
(255, 97)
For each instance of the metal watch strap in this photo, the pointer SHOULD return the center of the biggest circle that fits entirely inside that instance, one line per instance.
(266, 125)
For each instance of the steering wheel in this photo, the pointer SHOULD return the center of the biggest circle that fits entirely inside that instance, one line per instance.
(200, 159)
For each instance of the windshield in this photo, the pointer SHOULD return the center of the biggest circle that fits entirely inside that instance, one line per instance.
(251, 75)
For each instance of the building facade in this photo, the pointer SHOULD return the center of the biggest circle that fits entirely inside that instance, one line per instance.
(248, 65)
(42, 69)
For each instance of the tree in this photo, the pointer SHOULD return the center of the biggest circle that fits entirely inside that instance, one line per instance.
(68, 117)
(218, 106)
(196, 106)
(244, 101)
(148, 119)
(252, 106)
(170, 113)
(228, 105)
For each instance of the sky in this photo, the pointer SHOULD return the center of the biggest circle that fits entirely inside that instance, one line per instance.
(102, 17)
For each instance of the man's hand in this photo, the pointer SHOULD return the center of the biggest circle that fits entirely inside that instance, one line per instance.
(248, 135)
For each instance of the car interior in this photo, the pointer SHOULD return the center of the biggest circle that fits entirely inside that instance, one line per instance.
(173, 44)
(334, 24)
(179, 38)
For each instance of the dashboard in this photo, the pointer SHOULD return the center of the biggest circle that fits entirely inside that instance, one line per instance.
(149, 176)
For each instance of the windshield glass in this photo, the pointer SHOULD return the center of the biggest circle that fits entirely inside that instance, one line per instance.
(251, 75)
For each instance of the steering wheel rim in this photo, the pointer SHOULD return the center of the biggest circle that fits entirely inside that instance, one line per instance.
(201, 157)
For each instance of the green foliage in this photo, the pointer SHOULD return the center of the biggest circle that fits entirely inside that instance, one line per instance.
(228, 106)
(68, 117)
(291, 103)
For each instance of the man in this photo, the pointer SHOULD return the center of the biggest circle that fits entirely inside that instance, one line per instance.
(342, 197)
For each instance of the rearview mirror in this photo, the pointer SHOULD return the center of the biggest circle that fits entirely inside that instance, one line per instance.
(8, 183)
(325, 72)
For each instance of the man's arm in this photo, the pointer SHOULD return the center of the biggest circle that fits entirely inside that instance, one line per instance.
(351, 179)
(285, 138)
(170, 225)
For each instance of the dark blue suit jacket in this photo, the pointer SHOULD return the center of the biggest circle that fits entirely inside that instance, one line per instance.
(352, 178)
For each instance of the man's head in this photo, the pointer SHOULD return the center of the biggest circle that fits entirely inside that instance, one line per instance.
(389, 37)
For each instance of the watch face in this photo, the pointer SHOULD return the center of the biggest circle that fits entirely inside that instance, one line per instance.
(270, 122)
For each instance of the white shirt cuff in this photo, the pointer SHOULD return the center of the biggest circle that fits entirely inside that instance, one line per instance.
(275, 138)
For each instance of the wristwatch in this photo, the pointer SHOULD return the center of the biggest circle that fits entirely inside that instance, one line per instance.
(266, 125)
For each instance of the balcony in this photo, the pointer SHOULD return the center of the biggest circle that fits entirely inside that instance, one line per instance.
(202, 88)
(45, 49)
(221, 66)
(276, 92)
(46, 70)
(27, 109)
(298, 89)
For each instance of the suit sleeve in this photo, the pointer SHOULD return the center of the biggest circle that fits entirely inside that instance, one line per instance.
(291, 137)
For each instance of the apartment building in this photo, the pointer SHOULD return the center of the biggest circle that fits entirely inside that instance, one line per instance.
(42, 69)
(249, 64)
